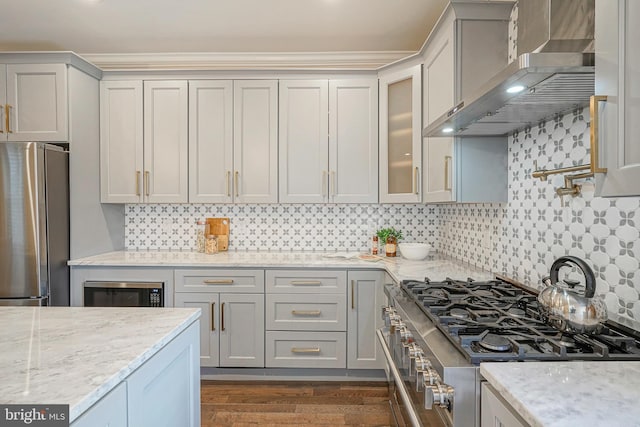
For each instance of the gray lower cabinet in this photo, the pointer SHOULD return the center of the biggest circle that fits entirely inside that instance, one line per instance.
(496, 412)
(365, 299)
(164, 391)
(306, 319)
(232, 323)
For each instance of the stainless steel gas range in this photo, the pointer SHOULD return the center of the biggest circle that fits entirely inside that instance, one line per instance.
(436, 334)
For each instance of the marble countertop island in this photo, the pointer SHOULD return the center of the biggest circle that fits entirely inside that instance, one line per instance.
(568, 394)
(76, 355)
(436, 267)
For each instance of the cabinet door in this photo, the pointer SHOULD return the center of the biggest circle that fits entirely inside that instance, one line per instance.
(255, 141)
(365, 299)
(165, 141)
(618, 77)
(37, 102)
(210, 141)
(242, 330)
(304, 154)
(165, 390)
(209, 303)
(400, 136)
(353, 141)
(121, 141)
(439, 96)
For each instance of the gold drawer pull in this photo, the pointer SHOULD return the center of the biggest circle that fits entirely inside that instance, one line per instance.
(305, 350)
(218, 282)
(306, 282)
(306, 312)
(213, 317)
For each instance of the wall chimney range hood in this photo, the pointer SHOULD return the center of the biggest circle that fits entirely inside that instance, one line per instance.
(553, 74)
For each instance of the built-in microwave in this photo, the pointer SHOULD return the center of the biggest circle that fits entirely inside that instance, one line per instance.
(123, 294)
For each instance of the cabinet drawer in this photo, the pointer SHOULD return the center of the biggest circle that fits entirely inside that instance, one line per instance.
(305, 349)
(306, 281)
(313, 312)
(237, 281)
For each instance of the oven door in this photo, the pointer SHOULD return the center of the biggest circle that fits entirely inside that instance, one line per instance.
(401, 405)
(123, 294)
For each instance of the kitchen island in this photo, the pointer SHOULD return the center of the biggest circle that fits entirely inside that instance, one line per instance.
(567, 394)
(99, 361)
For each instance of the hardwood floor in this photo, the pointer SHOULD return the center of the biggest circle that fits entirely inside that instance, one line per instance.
(277, 403)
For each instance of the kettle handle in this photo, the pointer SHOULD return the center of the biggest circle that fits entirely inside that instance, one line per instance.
(565, 261)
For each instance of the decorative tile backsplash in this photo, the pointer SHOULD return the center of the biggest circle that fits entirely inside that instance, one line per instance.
(295, 227)
(533, 229)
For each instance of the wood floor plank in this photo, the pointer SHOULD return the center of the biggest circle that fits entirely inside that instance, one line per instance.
(278, 403)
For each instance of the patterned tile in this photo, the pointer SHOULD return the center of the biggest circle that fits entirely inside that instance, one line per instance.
(534, 228)
(308, 227)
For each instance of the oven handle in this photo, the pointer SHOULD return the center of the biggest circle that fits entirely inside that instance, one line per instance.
(398, 379)
(133, 285)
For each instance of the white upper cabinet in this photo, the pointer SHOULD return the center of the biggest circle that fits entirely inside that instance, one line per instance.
(618, 78)
(328, 141)
(121, 141)
(353, 141)
(255, 141)
(466, 49)
(304, 155)
(400, 136)
(165, 141)
(33, 101)
(210, 141)
(143, 142)
(233, 136)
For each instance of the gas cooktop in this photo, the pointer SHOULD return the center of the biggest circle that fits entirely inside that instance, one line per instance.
(498, 321)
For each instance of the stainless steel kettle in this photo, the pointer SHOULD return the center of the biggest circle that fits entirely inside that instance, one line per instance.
(564, 308)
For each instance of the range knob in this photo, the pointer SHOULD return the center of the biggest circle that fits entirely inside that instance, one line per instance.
(438, 394)
(413, 351)
(423, 365)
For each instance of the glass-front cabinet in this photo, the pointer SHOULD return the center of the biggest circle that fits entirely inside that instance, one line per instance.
(400, 136)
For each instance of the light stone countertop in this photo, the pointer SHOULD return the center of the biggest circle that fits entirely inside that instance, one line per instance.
(436, 267)
(569, 394)
(76, 355)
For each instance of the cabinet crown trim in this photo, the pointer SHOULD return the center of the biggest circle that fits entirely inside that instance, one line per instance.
(246, 61)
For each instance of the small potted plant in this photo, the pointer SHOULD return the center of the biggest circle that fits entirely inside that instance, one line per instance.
(389, 237)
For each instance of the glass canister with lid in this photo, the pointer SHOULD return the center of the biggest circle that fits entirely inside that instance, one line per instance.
(202, 231)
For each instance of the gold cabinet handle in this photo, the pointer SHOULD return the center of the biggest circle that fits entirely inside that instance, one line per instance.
(146, 183)
(213, 316)
(305, 350)
(1, 124)
(415, 180)
(235, 183)
(333, 183)
(138, 183)
(595, 143)
(353, 294)
(447, 184)
(306, 312)
(306, 283)
(228, 182)
(218, 282)
(222, 316)
(7, 111)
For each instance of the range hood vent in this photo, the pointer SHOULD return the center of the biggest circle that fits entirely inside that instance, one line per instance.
(556, 77)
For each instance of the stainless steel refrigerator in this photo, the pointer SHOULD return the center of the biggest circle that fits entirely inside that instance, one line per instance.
(34, 224)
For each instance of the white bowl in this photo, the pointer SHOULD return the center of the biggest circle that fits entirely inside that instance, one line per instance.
(414, 251)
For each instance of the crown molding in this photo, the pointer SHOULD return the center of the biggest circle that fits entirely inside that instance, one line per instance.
(321, 61)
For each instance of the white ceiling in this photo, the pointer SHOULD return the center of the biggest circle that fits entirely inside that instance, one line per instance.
(162, 26)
